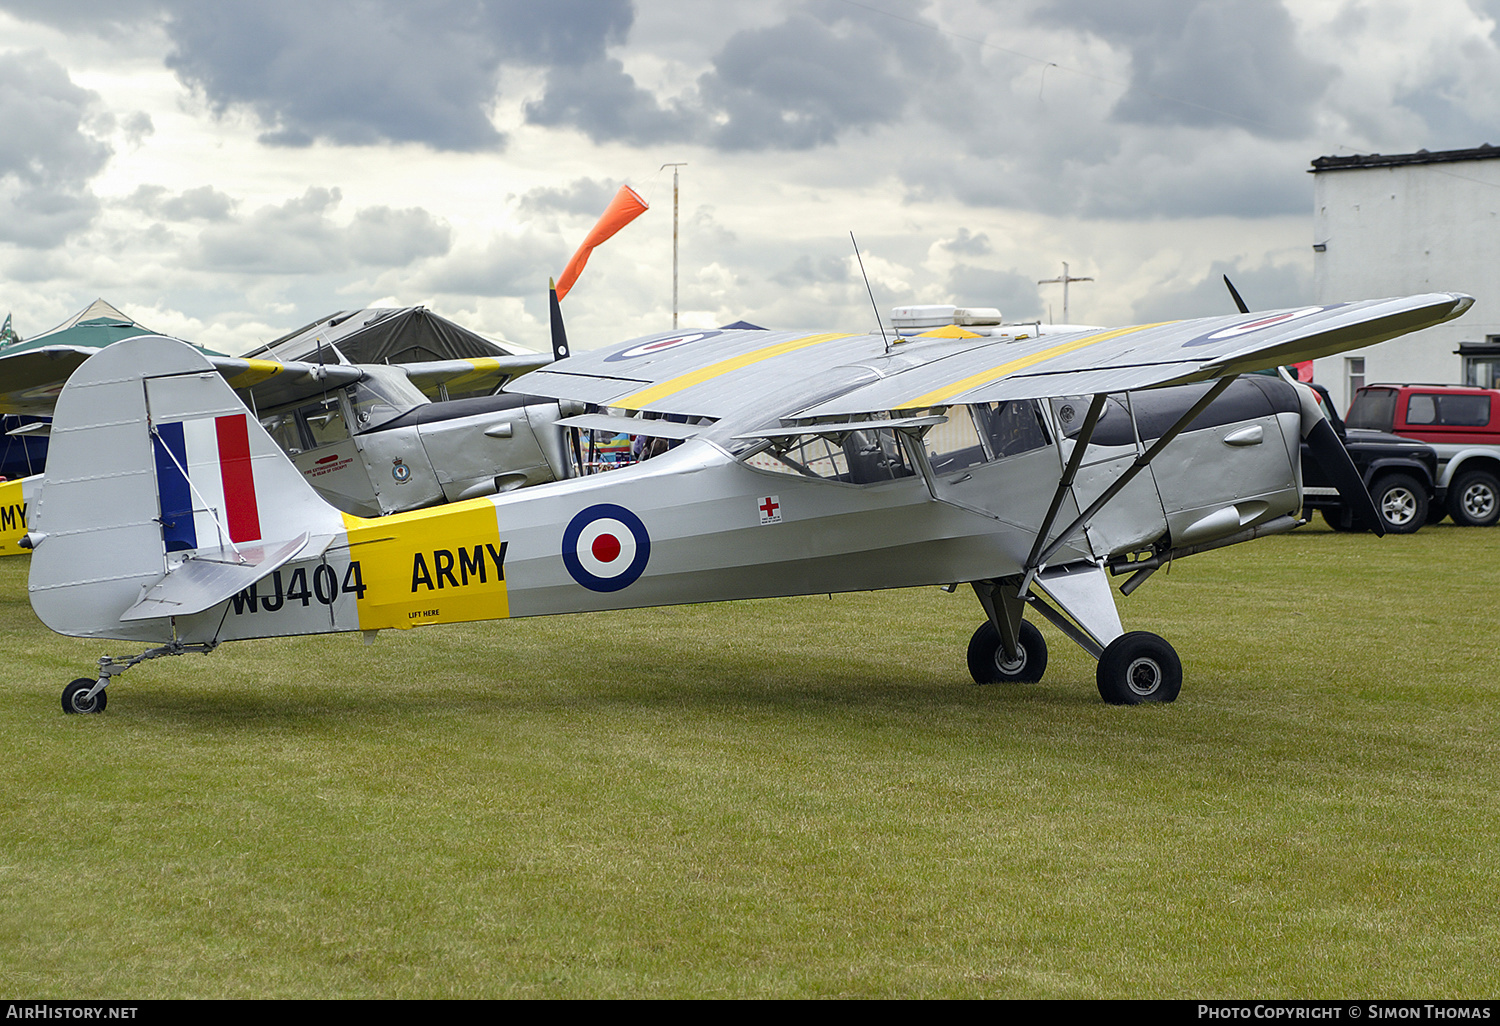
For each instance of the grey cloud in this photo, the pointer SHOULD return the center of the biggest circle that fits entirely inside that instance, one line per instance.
(583, 196)
(1202, 63)
(967, 243)
(296, 237)
(47, 153)
(805, 271)
(509, 266)
(605, 103)
(1015, 294)
(816, 75)
(137, 127)
(1264, 287)
(359, 75)
(393, 238)
(824, 70)
(300, 237)
(204, 203)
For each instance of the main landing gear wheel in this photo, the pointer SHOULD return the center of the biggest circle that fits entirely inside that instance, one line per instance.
(75, 697)
(1139, 667)
(989, 665)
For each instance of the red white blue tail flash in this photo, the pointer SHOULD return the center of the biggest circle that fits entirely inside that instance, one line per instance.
(205, 483)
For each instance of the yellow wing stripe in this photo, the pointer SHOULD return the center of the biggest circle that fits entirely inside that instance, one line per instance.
(254, 373)
(940, 396)
(485, 369)
(697, 377)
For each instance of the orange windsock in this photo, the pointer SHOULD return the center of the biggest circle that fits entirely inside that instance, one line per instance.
(624, 208)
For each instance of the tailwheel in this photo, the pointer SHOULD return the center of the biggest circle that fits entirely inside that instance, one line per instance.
(75, 697)
(1139, 667)
(989, 664)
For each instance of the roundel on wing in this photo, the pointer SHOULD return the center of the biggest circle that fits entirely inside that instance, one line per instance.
(661, 345)
(1257, 324)
(605, 547)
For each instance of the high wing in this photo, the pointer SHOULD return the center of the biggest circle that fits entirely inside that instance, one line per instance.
(30, 381)
(485, 373)
(33, 379)
(717, 373)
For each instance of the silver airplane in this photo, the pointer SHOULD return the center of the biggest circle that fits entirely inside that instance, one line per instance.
(1031, 469)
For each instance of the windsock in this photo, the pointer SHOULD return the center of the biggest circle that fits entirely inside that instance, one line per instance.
(624, 208)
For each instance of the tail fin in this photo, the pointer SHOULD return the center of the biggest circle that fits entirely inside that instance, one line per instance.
(163, 496)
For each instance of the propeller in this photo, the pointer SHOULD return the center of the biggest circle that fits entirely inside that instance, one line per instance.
(1235, 293)
(1327, 448)
(559, 333)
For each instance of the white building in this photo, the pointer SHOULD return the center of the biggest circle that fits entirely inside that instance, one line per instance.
(1404, 224)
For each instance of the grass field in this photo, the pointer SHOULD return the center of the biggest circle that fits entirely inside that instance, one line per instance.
(788, 798)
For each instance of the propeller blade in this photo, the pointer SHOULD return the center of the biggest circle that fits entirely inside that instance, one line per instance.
(559, 333)
(1235, 293)
(1324, 444)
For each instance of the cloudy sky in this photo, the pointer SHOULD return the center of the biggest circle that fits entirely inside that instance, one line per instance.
(227, 171)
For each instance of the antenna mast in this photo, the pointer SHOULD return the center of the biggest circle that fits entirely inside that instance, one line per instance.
(1064, 279)
(674, 168)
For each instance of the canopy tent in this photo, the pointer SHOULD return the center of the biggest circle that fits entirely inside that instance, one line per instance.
(410, 334)
(93, 327)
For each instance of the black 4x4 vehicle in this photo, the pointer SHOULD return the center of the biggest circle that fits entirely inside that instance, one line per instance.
(1400, 473)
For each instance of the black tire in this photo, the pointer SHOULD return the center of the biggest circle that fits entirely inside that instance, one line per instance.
(73, 700)
(987, 662)
(1401, 501)
(1474, 499)
(1139, 667)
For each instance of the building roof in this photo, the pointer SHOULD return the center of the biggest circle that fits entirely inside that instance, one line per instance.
(1359, 161)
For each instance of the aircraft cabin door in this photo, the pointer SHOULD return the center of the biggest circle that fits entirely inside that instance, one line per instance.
(996, 459)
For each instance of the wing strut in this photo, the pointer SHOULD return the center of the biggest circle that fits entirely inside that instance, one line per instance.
(1090, 420)
(1142, 461)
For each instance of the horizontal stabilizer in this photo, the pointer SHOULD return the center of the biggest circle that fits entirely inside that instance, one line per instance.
(199, 584)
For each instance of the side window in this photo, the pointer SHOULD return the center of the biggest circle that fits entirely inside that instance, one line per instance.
(1421, 409)
(325, 421)
(858, 457)
(1009, 429)
(955, 446)
(1464, 410)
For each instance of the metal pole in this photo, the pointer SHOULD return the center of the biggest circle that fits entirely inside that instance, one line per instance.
(674, 249)
(1065, 279)
(674, 168)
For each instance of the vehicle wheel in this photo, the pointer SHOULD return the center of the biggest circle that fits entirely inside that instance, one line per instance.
(1139, 667)
(987, 662)
(1436, 511)
(73, 700)
(1401, 502)
(1474, 499)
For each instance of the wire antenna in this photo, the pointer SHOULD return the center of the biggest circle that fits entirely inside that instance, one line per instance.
(871, 291)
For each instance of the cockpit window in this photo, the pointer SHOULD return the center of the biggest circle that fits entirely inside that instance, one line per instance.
(1009, 429)
(855, 457)
(984, 433)
(382, 395)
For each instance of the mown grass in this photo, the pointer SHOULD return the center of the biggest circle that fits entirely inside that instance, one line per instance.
(786, 798)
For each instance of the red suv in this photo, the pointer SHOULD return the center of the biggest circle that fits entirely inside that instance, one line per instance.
(1461, 422)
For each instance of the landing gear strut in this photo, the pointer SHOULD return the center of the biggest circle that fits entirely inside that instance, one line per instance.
(85, 695)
